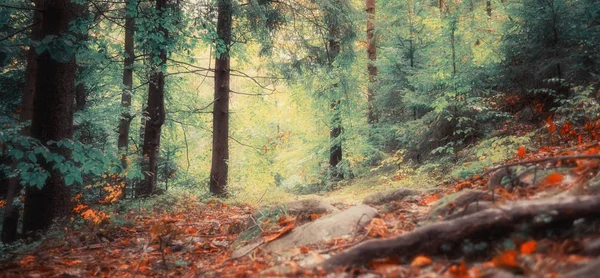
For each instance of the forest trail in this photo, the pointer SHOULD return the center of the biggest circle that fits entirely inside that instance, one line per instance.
(192, 238)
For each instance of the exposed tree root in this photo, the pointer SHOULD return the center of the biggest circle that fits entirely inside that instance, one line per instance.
(505, 218)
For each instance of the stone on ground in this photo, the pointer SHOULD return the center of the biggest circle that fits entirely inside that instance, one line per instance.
(325, 228)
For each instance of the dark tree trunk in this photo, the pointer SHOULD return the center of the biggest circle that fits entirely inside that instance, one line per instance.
(126, 117)
(336, 129)
(220, 151)
(372, 55)
(156, 114)
(53, 118)
(11, 214)
(488, 7)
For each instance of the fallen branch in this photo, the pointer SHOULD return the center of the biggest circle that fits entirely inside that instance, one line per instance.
(428, 239)
(546, 159)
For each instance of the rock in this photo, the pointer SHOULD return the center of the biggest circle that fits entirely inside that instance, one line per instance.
(325, 228)
(384, 197)
(461, 203)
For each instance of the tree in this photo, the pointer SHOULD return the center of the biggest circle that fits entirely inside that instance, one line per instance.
(220, 144)
(53, 110)
(126, 116)
(12, 214)
(156, 101)
(372, 56)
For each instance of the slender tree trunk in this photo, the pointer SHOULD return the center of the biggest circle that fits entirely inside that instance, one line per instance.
(488, 7)
(11, 214)
(52, 119)
(80, 95)
(156, 114)
(220, 146)
(372, 55)
(453, 46)
(336, 129)
(126, 117)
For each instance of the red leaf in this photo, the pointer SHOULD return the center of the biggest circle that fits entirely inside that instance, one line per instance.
(554, 178)
(506, 259)
(528, 247)
(551, 125)
(521, 152)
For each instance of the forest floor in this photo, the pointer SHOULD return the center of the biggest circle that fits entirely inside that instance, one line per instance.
(188, 237)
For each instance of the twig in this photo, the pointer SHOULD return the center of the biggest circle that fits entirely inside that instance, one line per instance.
(21, 8)
(19, 31)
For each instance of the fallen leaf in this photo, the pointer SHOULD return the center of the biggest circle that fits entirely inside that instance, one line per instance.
(528, 247)
(279, 233)
(431, 199)
(377, 228)
(552, 179)
(73, 262)
(506, 259)
(459, 271)
(421, 261)
(521, 152)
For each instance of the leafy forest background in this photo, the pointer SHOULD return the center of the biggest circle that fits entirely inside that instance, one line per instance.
(258, 99)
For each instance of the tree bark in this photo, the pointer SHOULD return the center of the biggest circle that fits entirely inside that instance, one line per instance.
(11, 214)
(126, 116)
(156, 113)
(428, 240)
(220, 146)
(372, 56)
(52, 119)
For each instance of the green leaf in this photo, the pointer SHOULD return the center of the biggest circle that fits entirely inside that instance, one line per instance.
(31, 156)
(16, 154)
(69, 179)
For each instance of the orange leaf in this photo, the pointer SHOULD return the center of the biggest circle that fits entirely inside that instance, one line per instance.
(283, 221)
(279, 233)
(528, 247)
(431, 199)
(377, 228)
(554, 178)
(459, 271)
(314, 216)
(385, 267)
(551, 125)
(421, 261)
(521, 151)
(506, 259)
(73, 262)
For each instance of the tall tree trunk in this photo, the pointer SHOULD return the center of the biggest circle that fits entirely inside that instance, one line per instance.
(156, 113)
(220, 150)
(335, 131)
(126, 117)
(11, 214)
(488, 7)
(52, 119)
(372, 55)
